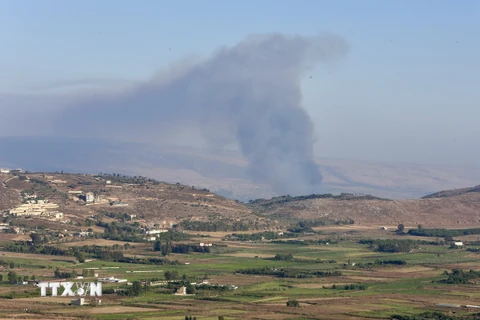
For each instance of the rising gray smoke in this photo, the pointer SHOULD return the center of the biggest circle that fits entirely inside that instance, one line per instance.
(248, 95)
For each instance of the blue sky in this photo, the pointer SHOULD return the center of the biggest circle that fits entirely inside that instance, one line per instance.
(408, 90)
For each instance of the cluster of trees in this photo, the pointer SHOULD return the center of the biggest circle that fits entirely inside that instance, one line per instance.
(290, 273)
(134, 291)
(171, 275)
(307, 225)
(283, 257)
(353, 286)
(105, 253)
(7, 264)
(58, 274)
(87, 273)
(443, 232)
(119, 216)
(268, 235)
(44, 190)
(458, 276)
(295, 242)
(289, 257)
(120, 178)
(390, 262)
(306, 242)
(214, 226)
(26, 247)
(154, 261)
(121, 231)
(214, 287)
(13, 277)
(98, 252)
(137, 289)
(293, 303)
(164, 248)
(167, 247)
(188, 248)
(429, 315)
(38, 239)
(391, 245)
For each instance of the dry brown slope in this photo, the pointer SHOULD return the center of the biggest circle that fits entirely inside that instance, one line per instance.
(155, 202)
(461, 210)
(163, 202)
(9, 198)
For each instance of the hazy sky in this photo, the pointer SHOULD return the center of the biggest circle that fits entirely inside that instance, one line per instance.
(407, 91)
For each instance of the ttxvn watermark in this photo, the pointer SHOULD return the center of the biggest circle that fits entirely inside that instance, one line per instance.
(71, 289)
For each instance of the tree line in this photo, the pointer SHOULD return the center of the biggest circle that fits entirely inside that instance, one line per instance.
(267, 235)
(443, 232)
(289, 272)
(213, 226)
(167, 247)
(391, 245)
(458, 276)
(13, 277)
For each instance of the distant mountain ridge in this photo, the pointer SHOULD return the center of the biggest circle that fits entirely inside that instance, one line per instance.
(223, 171)
(452, 193)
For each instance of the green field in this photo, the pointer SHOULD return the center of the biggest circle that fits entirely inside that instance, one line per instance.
(407, 289)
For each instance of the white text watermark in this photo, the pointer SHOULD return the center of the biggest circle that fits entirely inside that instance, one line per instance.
(71, 289)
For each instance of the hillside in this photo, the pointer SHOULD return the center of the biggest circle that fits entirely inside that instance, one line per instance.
(452, 193)
(462, 210)
(156, 203)
(153, 202)
(8, 197)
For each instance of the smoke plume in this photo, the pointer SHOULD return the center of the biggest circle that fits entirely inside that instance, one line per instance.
(248, 95)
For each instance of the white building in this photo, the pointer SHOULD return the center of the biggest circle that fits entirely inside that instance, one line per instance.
(112, 280)
(459, 243)
(90, 197)
(181, 291)
(201, 244)
(34, 209)
(156, 231)
(4, 171)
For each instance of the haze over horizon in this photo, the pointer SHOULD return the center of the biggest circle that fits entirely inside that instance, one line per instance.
(391, 82)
